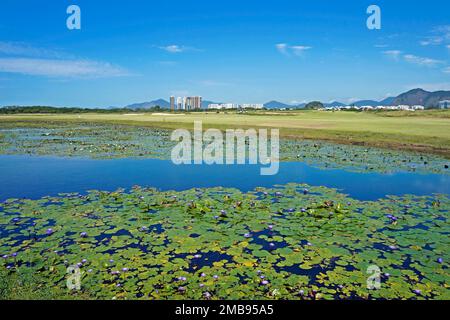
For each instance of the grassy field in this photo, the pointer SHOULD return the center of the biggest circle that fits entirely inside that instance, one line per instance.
(427, 131)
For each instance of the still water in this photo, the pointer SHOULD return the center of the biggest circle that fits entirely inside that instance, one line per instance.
(34, 177)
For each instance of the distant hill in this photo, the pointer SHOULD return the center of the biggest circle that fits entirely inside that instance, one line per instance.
(422, 97)
(412, 97)
(361, 103)
(276, 105)
(388, 101)
(334, 104)
(147, 105)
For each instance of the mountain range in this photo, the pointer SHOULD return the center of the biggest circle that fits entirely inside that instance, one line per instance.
(412, 97)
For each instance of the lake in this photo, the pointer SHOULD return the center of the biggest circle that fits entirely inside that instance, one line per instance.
(37, 176)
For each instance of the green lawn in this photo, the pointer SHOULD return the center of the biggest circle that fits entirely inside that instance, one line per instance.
(427, 131)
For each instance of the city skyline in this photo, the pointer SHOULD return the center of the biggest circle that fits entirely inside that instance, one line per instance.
(229, 51)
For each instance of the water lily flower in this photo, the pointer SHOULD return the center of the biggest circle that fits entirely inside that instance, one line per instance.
(247, 235)
(216, 276)
(417, 291)
(14, 254)
(270, 227)
(258, 271)
(216, 217)
(305, 191)
(223, 212)
(49, 231)
(83, 261)
(124, 269)
(264, 282)
(309, 244)
(387, 275)
(203, 274)
(83, 235)
(90, 270)
(197, 256)
(111, 260)
(201, 285)
(272, 245)
(115, 273)
(5, 256)
(303, 210)
(440, 260)
(181, 289)
(182, 278)
(118, 285)
(392, 247)
(301, 292)
(262, 277)
(79, 264)
(207, 295)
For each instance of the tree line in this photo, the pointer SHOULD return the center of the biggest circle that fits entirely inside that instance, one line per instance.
(47, 109)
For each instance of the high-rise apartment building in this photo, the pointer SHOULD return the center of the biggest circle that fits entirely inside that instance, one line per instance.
(186, 103)
(172, 103)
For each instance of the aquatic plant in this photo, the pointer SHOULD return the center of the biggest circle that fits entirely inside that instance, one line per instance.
(304, 254)
(102, 141)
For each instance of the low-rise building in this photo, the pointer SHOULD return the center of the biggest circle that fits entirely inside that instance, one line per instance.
(445, 104)
(252, 106)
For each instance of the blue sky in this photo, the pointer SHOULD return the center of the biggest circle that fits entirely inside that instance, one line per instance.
(226, 51)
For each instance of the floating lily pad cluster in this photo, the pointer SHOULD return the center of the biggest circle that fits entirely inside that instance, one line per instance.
(94, 141)
(286, 242)
(119, 141)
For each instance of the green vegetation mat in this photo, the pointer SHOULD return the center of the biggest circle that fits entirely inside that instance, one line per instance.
(287, 242)
(120, 141)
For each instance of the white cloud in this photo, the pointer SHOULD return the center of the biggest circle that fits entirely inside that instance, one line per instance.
(174, 48)
(298, 50)
(410, 58)
(446, 70)
(394, 54)
(422, 61)
(439, 35)
(22, 58)
(60, 68)
(26, 50)
(436, 40)
(282, 48)
(287, 50)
